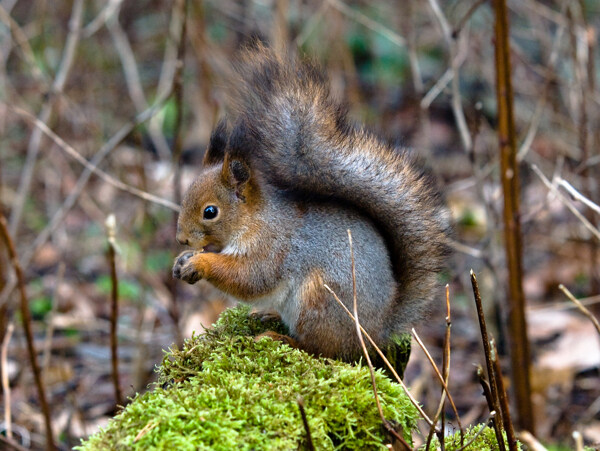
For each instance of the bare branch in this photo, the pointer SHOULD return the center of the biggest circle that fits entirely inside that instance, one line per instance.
(457, 109)
(73, 196)
(114, 306)
(566, 202)
(392, 36)
(33, 146)
(580, 306)
(26, 319)
(5, 382)
(69, 150)
(577, 195)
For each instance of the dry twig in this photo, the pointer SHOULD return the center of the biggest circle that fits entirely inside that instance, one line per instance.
(368, 22)
(309, 443)
(75, 193)
(503, 400)
(114, 306)
(487, 392)
(453, 47)
(577, 195)
(580, 306)
(5, 381)
(35, 140)
(492, 397)
(26, 318)
(72, 152)
(132, 79)
(566, 202)
(442, 380)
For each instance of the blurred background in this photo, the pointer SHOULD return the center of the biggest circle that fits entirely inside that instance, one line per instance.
(106, 108)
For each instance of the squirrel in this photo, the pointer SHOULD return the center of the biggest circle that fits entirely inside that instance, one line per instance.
(282, 181)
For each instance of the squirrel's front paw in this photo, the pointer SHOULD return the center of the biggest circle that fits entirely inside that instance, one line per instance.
(184, 269)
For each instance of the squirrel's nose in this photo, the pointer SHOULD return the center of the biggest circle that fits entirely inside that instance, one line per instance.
(181, 240)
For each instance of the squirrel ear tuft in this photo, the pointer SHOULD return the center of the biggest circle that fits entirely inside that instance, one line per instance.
(215, 153)
(235, 174)
(239, 171)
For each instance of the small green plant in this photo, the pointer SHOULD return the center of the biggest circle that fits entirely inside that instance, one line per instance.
(483, 438)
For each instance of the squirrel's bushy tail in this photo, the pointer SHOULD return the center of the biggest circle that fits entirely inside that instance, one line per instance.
(299, 137)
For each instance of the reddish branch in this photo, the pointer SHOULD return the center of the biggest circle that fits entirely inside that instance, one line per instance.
(491, 393)
(520, 355)
(503, 401)
(309, 443)
(26, 316)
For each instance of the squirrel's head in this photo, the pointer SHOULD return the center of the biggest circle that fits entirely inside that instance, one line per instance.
(222, 202)
(218, 206)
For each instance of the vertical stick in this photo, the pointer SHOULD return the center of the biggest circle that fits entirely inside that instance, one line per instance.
(5, 382)
(494, 417)
(309, 443)
(26, 317)
(114, 308)
(506, 420)
(494, 399)
(520, 355)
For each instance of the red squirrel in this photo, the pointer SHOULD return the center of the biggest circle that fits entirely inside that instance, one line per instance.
(282, 181)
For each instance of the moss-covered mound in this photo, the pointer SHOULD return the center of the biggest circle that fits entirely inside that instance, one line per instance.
(224, 390)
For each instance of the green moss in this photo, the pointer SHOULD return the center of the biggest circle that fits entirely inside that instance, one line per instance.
(225, 390)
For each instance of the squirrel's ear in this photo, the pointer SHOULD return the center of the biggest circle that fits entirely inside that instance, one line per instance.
(236, 174)
(215, 153)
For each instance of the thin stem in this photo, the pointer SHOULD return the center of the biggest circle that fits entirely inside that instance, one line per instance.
(77, 190)
(182, 6)
(490, 400)
(580, 306)
(26, 317)
(114, 307)
(309, 443)
(438, 374)
(566, 202)
(73, 153)
(503, 398)
(35, 140)
(486, 348)
(5, 382)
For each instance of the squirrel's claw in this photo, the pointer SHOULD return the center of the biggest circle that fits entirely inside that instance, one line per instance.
(183, 268)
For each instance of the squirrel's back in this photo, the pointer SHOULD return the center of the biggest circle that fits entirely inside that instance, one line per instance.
(290, 127)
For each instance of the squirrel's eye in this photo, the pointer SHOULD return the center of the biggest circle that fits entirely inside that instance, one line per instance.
(210, 212)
